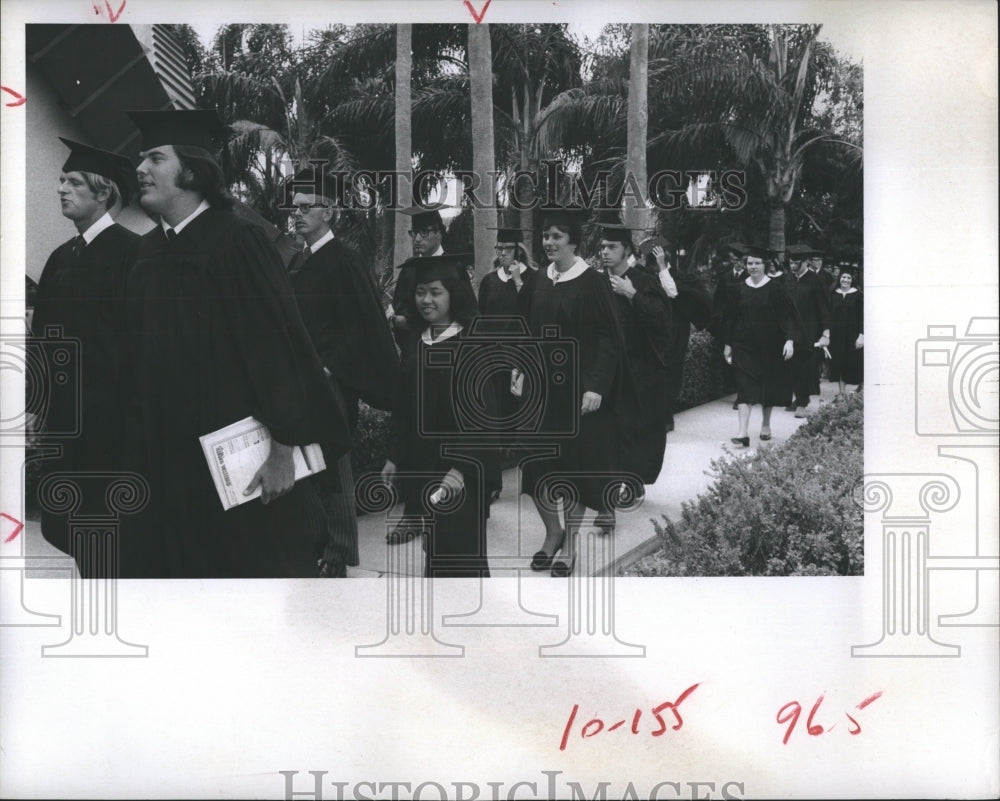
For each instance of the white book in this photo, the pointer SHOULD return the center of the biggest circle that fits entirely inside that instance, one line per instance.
(236, 452)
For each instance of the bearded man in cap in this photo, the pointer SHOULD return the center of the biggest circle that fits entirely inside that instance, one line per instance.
(339, 305)
(216, 337)
(81, 295)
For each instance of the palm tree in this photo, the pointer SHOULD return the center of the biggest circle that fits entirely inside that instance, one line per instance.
(403, 138)
(638, 216)
(483, 162)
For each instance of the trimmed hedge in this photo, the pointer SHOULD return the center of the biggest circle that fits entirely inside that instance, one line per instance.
(785, 511)
(371, 440)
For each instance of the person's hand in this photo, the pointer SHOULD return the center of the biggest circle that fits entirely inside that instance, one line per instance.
(859, 343)
(400, 322)
(660, 256)
(788, 351)
(591, 402)
(388, 472)
(622, 286)
(516, 273)
(276, 476)
(822, 342)
(727, 354)
(451, 485)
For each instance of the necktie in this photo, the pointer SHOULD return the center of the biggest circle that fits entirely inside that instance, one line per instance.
(306, 252)
(79, 243)
(171, 235)
(295, 265)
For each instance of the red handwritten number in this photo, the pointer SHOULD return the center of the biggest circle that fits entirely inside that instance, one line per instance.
(814, 730)
(795, 708)
(569, 726)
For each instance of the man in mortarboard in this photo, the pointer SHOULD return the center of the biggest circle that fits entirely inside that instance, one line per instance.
(81, 291)
(644, 314)
(506, 292)
(690, 304)
(426, 233)
(216, 336)
(339, 305)
(811, 298)
(734, 274)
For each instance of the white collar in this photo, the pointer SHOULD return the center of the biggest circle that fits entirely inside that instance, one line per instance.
(579, 268)
(756, 286)
(327, 237)
(103, 223)
(848, 292)
(439, 251)
(203, 206)
(451, 331)
(502, 274)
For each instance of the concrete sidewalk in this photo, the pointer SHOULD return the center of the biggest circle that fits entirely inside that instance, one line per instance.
(702, 434)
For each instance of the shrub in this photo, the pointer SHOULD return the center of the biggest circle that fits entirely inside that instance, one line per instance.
(785, 511)
(703, 379)
(371, 440)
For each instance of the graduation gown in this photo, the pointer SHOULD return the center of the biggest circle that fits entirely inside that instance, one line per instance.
(811, 298)
(339, 306)
(427, 436)
(215, 336)
(759, 320)
(84, 295)
(646, 323)
(847, 321)
(583, 311)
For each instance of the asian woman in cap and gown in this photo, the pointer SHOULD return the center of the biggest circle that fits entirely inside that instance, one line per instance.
(506, 292)
(578, 302)
(434, 431)
(216, 336)
(81, 295)
(644, 314)
(760, 325)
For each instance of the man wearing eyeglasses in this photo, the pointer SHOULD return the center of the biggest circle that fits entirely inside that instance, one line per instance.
(339, 306)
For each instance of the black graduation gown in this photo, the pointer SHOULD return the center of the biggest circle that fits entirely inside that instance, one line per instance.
(339, 306)
(84, 296)
(583, 311)
(215, 336)
(646, 323)
(759, 321)
(811, 299)
(847, 321)
(433, 444)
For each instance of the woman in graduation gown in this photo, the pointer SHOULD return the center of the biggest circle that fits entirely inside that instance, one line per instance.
(215, 336)
(578, 302)
(760, 324)
(847, 338)
(506, 292)
(433, 455)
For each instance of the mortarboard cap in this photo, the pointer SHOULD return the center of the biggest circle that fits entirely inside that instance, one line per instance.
(757, 251)
(647, 245)
(423, 217)
(192, 127)
(802, 251)
(616, 232)
(84, 158)
(508, 234)
(437, 268)
(310, 181)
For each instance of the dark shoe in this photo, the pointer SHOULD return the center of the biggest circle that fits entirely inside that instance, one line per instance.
(404, 532)
(735, 406)
(563, 568)
(790, 408)
(543, 561)
(744, 441)
(604, 525)
(765, 437)
(331, 569)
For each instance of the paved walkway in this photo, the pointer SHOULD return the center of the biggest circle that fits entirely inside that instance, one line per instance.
(702, 434)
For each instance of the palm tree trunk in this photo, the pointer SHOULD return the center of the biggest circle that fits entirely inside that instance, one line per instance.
(404, 147)
(776, 227)
(638, 217)
(483, 160)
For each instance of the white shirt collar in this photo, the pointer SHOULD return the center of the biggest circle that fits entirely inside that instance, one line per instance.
(439, 251)
(848, 292)
(327, 237)
(756, 286)
(103, 223)
(502, 274)
(579, 268)
(451, 331)
(203, 206)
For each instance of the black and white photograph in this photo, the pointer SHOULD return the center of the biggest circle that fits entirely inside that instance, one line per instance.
(543, 330)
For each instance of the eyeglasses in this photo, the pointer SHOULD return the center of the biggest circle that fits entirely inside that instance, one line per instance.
(305, 208)
(423, 233)
(504, 248)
